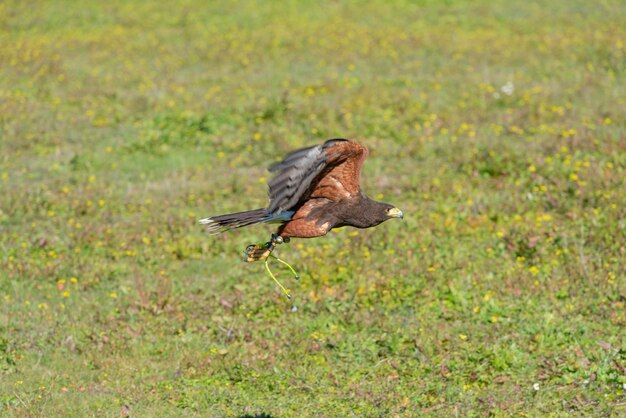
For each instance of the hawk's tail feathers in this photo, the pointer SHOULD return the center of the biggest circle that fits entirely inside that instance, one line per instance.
(223, 223)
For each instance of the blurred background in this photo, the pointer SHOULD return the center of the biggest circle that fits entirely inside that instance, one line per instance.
(498, 127)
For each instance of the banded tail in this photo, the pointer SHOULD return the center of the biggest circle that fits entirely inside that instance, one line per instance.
(223, 223)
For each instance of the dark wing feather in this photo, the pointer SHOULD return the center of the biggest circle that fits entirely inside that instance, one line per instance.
(295, 174)
(331, 170)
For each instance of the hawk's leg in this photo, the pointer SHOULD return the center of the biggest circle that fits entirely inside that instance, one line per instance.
(264, 252)
(256, 252)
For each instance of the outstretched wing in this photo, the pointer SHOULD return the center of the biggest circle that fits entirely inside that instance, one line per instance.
(331, 170)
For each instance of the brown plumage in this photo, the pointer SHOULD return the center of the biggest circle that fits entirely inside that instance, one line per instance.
(314, 190)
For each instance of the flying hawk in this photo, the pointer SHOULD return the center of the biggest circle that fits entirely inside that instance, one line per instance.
(314, 190)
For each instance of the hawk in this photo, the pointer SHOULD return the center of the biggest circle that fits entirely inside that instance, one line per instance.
(314, 190)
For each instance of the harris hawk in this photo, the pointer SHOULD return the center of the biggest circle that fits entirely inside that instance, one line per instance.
(314, 190)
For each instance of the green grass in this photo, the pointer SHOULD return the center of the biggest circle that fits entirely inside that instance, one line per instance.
(503, 291)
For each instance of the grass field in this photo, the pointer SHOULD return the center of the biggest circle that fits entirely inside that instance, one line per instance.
(498, 127)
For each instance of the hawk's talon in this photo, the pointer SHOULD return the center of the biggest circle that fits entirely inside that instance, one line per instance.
(256, 252)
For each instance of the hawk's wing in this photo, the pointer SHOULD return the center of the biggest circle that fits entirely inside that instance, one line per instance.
(331, 171)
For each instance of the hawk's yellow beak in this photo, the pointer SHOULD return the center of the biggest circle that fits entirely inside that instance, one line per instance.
(395, 213)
